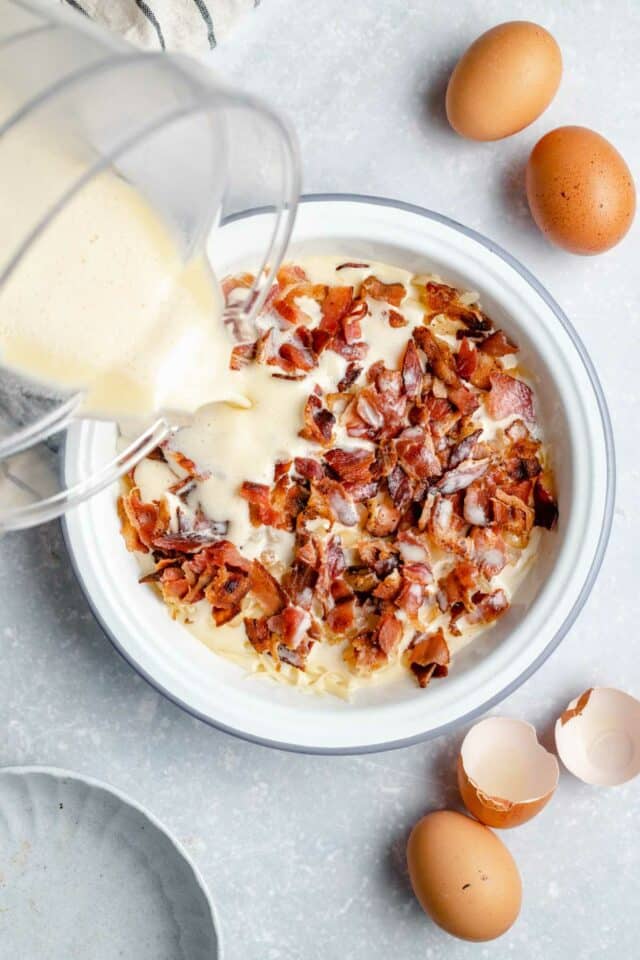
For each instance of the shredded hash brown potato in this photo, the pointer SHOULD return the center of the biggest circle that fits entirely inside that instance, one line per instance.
(406, 509)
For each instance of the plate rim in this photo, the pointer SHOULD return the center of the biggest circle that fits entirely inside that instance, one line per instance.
(61, 773)
(583, 593)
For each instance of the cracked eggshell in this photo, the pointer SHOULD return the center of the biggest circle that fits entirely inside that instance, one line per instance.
(505, 775)
(598, 737)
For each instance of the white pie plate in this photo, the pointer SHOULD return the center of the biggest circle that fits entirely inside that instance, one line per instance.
(86, 872)
(574, 417)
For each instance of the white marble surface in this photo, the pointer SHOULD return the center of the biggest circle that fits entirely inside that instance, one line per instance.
(305, 855)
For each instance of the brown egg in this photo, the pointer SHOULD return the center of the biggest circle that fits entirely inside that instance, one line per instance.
(580, 190)
(504, 81)
(463, 876)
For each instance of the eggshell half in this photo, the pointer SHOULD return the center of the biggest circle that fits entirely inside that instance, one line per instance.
(505, 775)
(463, 875)
(504, 81)
(598, 737)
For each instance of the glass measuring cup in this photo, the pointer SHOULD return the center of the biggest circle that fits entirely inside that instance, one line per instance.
(195, 150)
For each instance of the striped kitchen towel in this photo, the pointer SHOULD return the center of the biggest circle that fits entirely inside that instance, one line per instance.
(188, 25)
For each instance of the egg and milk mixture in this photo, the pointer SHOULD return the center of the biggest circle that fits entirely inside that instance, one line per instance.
(102, 301)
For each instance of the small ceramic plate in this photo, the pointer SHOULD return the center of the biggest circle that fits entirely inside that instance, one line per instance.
(86, 873)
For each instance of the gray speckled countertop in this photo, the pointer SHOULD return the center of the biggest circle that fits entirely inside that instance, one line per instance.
(304, 855)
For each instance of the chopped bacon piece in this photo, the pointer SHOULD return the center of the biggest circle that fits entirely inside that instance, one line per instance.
(488, 607)
(295, 658)
(364, 653)
(340, 618)
(258, 497)
(447, 528)
(341, 506)
(380, 555)
(460, 584)
(173, 584)
(242, 280)
(397, 319)
(353, 466)
(336, 305)
(498, 345)
(478, 509)
(367, 406)
(363, 580)
(439, 355)
(400, 488)
(300, 580)
(141, 522)
(393, 293)
(297, 357)
(463, 398)
(546, 508)
(351, 375)
(242, 355)
(417, 455)
(428, 656)
(259, 634)
(362, 491)
(437, 296)
(388, 633)
(351, 329)
(266, 351)
(466, 359)
(460, 477)
(129, 528)
(308, 468)
(289, 309)
(474, 366)
(190, 541)
(290, 626)
(183, 462)
(318, 421)
(490, 550)
(383, 517)
(349, 351)
(386, 459)
(509, 396)
(266, 589)
(225, 592)
(411, 371)
(517, 432)
(389, 588)
(415, 579)
(464, 448)
(513, 515)
(441, 416)
(290, 273)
